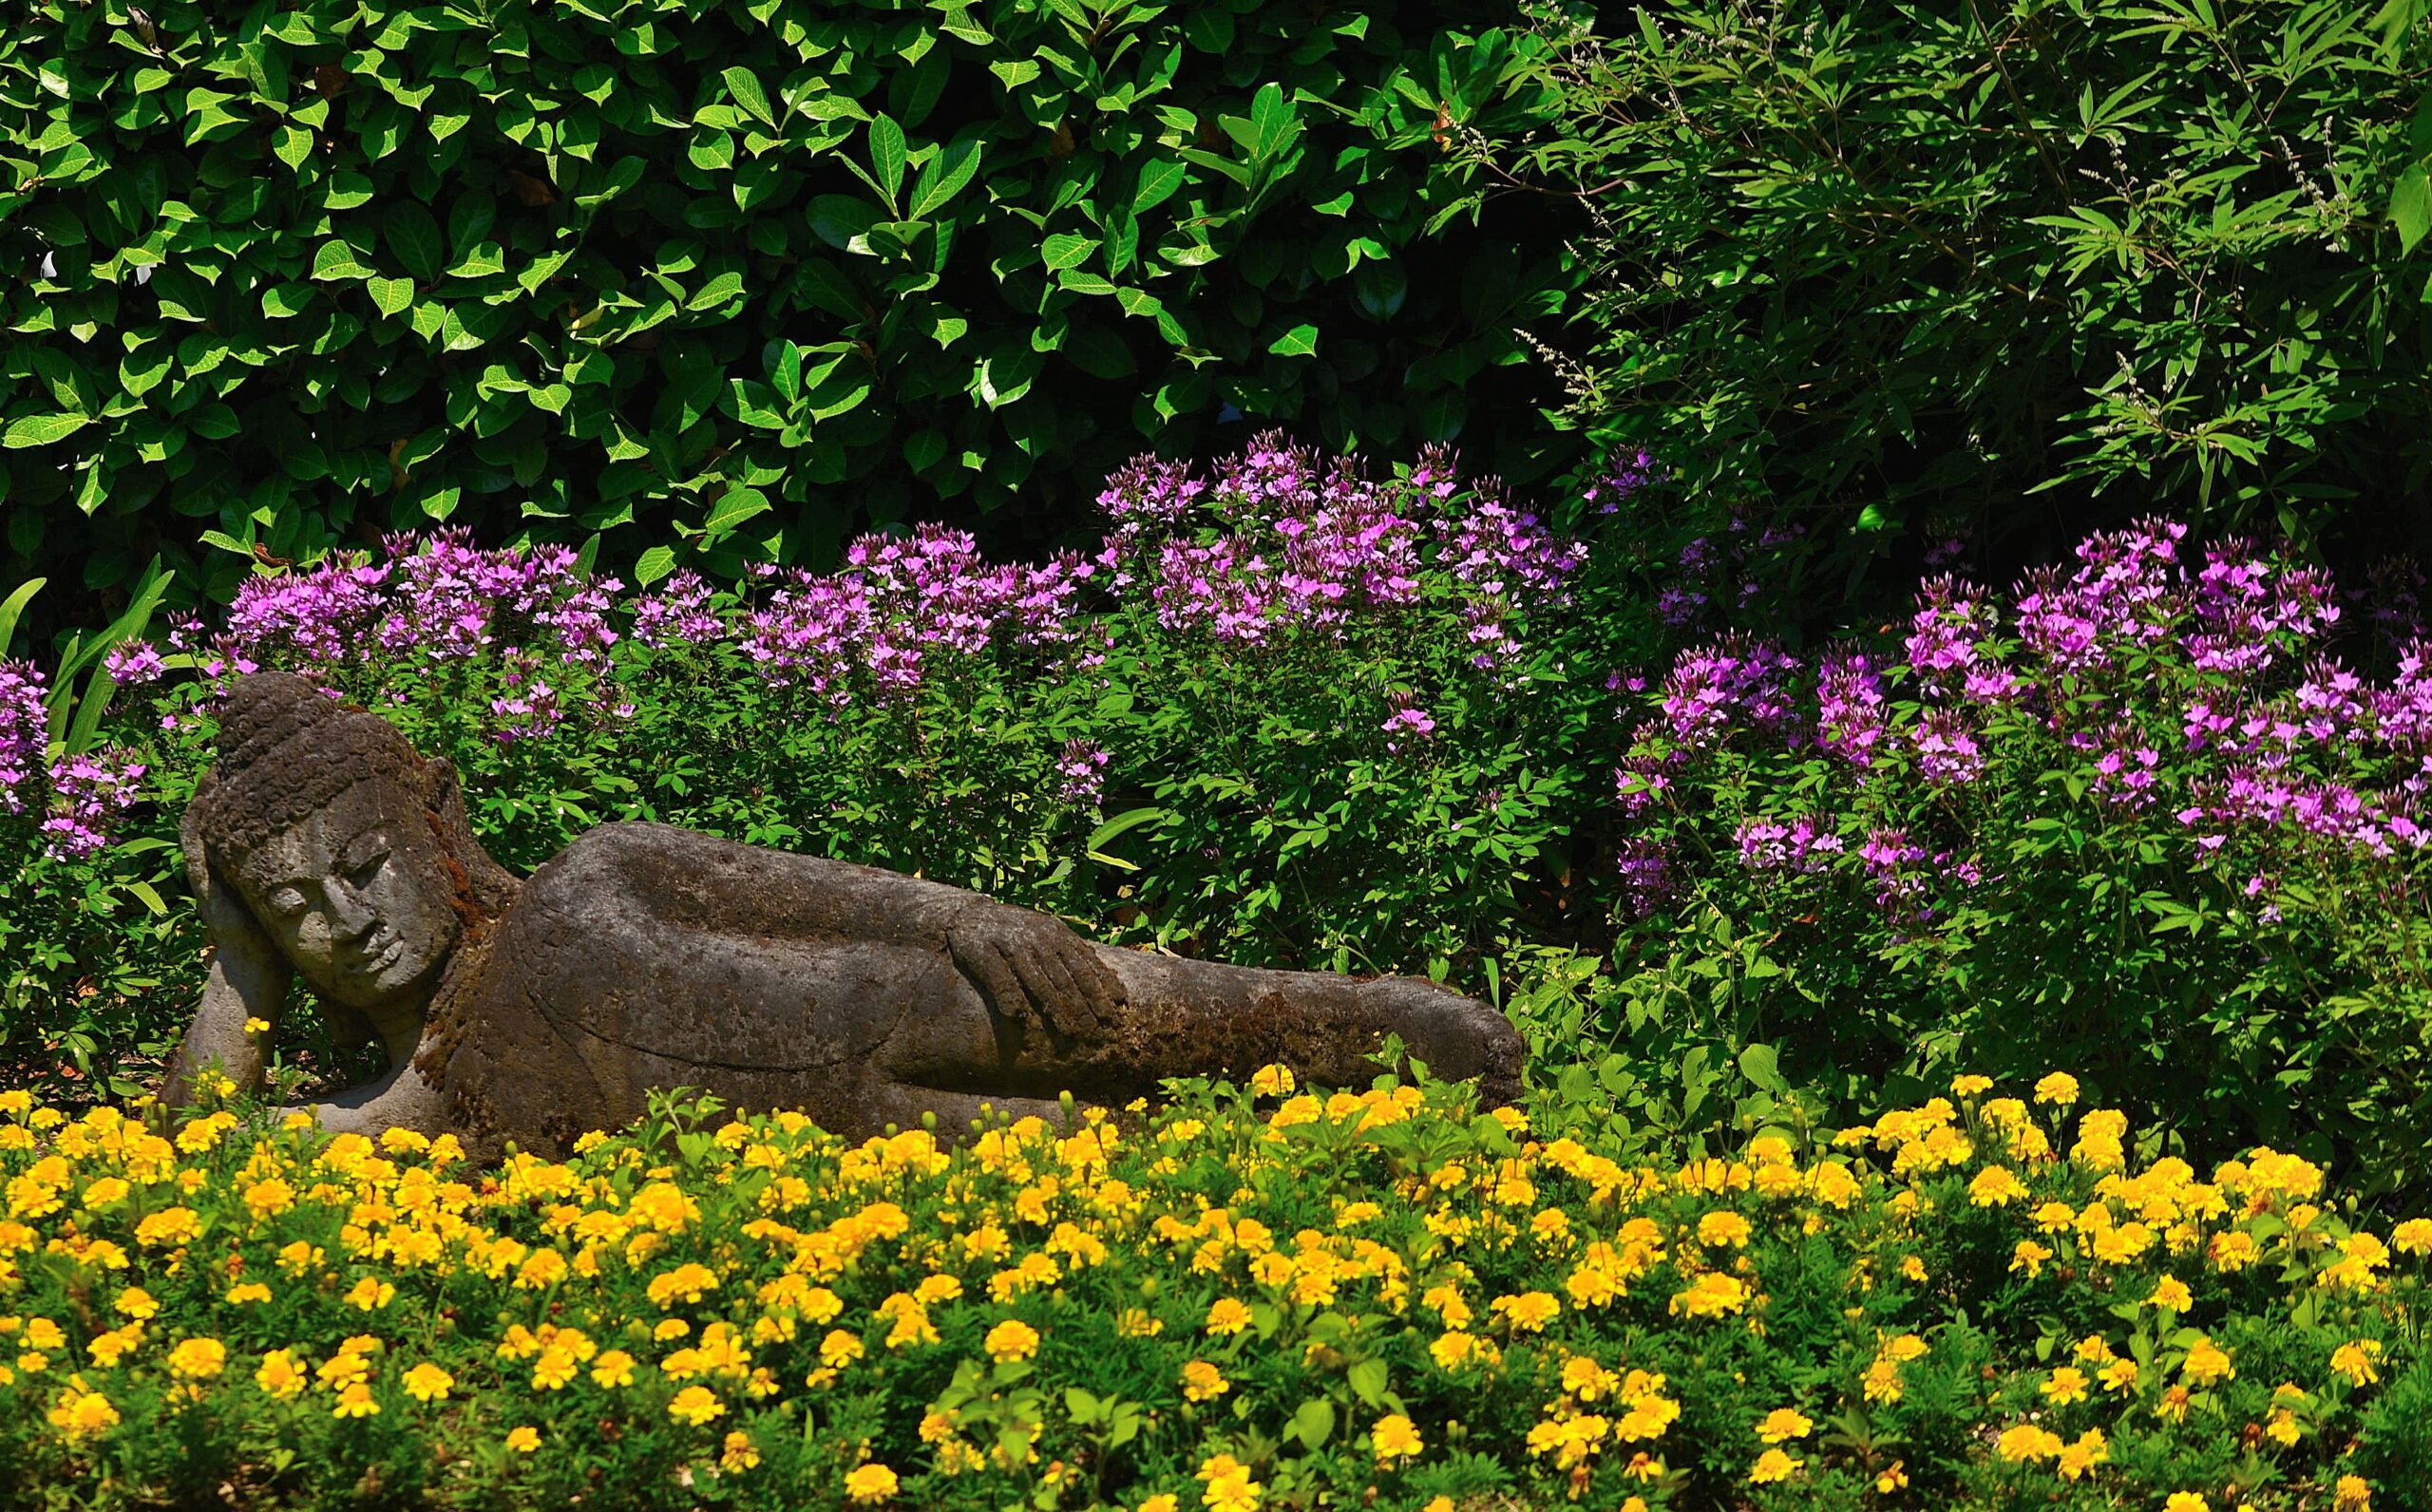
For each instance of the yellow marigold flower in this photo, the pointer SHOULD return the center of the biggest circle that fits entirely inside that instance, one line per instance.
(245, 1292)
(1772, 1465)
(81, 1414)
(1227, 1315)
(2027, 1442)
(2356, 1360)
(1784, 1423)
(1229, 1486)
(1895, 1478)
(355, 1402)
(2414, 1237)
(1012, 1340)
(2234, 1251)
(2029, 1256)
(2352, 1495)
(2207, 1362)
(1273, 1081)
(554, 1370)
(371, 1293)
(523, 1438)
(1394, 1438)
(738, 1453)
(1994, 1186)
(1913, 1268)
(1712, 1295)
(695, 1406)
(870, 1483)
(2172, 1292)
(687, 1282)
(2088, 1450)
(1970, 1086)
(279, 1374)
(1722, 1227)
(2059, 1089)
(427, 1383)
(936, 1289)
(1528, 1311)
(1164, 1501)
(198, 1359)
(171, 1225)
(2173, 1404)
(2065, 1384)
(135, 1303)
(2186, 1502)
(1202, 1382)
(104, 1192)
(2119, 1375)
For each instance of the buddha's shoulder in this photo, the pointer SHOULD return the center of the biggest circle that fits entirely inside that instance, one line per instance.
(629, 851)
(608, 871)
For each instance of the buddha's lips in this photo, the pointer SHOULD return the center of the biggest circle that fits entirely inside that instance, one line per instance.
(388, 953)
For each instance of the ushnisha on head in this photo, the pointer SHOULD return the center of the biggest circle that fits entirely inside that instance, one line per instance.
(348, 852)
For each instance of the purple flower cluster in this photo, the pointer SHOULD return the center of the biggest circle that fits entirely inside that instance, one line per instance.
(75, 800)
(1080, 772)
(1292, 545)
(1735, 683)
(24, 732)
(2171, 681)
(901, 606)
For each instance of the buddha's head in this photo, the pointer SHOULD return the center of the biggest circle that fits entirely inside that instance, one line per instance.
(348, 851)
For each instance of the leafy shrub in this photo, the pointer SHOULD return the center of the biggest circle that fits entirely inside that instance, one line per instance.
(2028, 266)
(1370, 1298)
(757, 276)
(2140, 816)
(1285, 713)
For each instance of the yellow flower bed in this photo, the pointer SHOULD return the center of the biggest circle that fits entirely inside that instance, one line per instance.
(1250, 1300)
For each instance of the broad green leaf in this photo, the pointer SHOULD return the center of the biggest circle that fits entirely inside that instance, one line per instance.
(943, 177)
(656, 563)
(413, 235)
(43, 430)
(336, 260)
(1301, 341)
(1158, 182)
(14, 607)
(744, 86)
(887, 157)
(1064, 250)
(2411, 206)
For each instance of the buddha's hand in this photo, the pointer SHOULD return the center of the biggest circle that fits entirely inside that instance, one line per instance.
(1032, 969)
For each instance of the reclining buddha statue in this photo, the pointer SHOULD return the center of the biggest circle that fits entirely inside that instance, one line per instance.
(645, 957)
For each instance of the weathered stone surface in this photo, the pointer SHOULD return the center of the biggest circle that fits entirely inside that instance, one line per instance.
(644, 956)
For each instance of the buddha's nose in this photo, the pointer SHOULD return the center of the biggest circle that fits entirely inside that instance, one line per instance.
(349, 913)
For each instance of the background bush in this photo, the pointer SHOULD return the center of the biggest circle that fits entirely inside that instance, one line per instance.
(2027, 269)
(721, 280)
(2154, 816)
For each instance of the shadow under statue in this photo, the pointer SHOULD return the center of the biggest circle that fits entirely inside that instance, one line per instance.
(644, 956)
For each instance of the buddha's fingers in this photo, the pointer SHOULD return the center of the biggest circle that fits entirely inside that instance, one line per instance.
(983, 962)
(1059, 997)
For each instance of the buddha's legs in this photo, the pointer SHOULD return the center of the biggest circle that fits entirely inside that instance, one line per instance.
(1193, 1018)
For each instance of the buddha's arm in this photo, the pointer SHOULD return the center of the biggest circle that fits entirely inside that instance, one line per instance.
(1029, 966)
(247, 980)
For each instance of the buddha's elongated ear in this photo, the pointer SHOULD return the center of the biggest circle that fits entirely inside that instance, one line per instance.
(444, 795)
(226, 915)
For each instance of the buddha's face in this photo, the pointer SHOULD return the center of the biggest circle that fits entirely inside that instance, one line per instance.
(358, 896)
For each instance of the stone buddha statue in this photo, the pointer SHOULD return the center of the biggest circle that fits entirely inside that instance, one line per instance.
(644, 956)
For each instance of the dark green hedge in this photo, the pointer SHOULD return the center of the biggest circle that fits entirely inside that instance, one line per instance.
(732, 276)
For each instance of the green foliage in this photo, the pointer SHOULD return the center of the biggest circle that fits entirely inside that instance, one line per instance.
(1907, 267)
(719, 280)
